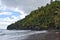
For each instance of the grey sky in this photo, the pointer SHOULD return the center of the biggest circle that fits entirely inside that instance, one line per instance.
(26, 5)
(11, 7)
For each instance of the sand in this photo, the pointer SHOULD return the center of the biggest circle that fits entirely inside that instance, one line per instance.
(45, 36)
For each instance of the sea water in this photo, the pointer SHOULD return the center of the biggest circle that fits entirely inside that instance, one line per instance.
(17, 34)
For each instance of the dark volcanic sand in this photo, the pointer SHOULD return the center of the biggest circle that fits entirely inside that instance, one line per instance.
(45, 36)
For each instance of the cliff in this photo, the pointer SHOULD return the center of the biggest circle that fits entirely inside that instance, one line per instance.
(43, 18)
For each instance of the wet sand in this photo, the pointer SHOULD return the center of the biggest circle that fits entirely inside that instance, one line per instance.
(45, 36)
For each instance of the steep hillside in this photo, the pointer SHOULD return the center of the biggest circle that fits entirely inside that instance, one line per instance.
(47, 17)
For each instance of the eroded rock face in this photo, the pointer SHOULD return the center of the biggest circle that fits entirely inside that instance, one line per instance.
(11, 27)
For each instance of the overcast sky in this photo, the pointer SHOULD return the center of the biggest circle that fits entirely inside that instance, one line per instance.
(13, 10)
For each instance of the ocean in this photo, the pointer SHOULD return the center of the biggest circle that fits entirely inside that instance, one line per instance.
(17, 34)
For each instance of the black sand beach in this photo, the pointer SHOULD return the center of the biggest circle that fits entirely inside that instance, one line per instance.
(45, 36)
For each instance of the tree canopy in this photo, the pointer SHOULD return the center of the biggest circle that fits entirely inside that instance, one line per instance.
(45, 17)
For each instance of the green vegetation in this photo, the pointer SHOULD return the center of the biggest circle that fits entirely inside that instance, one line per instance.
(47, 17)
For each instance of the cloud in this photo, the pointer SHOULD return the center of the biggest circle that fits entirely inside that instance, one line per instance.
(7, 21)
(26, 5)
(14, 10)
(5, 13)
(4, 22)
(9, 16)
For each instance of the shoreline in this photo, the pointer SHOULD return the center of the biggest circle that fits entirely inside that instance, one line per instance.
(45, 36)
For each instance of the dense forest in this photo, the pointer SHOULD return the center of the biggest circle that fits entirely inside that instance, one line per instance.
(43, 18)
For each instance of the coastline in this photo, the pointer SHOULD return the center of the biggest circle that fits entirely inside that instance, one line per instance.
(45, 36)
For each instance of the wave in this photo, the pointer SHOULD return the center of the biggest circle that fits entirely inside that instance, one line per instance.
(17, 34)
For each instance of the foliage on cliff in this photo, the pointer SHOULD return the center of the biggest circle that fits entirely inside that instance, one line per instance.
(42, 18)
